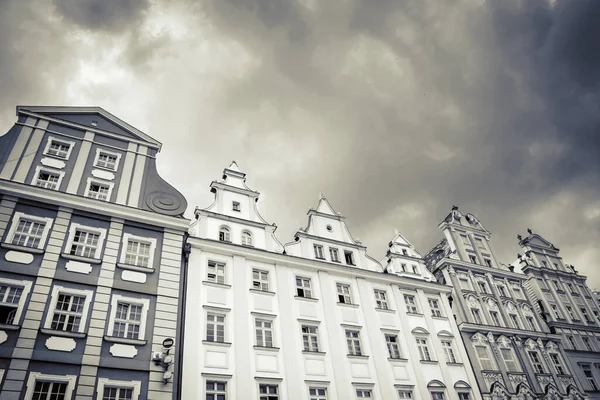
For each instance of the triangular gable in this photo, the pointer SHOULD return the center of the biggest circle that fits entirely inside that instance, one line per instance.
(537, 240)
(234, 167)
(104, 120)
(324, 207)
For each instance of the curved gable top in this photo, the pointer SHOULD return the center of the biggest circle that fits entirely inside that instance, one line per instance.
(445, 333)
(420, 331)
(462, 385)
(436, 384)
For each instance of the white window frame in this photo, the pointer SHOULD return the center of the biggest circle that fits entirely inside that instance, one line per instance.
(17, 216)
(538, 363)
(435, 306)
(449, 352)
(73, 228)
(105, 382)
(217, 379)
(263, 284)
(345, 291)
(411, 306)
(38, 376)
(109, 153)
(216, 272)
(217, 313)
(558, 364)
(147, 240)
(56, 290)
(489, 358)
(39, 169)
(393, 346)
(351, 254)
(319, 254)
(304, 288)
(26, 286)
(272, 384)
(309, 335)
(317, 396)
(352, 348)
(513, 359)
(116, 298)
(437, 391)
(247, 239)
(71, 145)
(236, 206)
(364, 390)
(424, 350)
(226, 234)
(263, 330)
(381, 302)
(102, 182)
(334, 251)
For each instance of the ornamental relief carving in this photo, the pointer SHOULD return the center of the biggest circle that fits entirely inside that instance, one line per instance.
(516, 379)
(492, 305)
(544, 380)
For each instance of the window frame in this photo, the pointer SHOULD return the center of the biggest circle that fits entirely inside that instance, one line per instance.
(423, 348)
(88, 229)
(109, 153)
(106, 382)
(58, 290)
(381, 302)
(303, 287)
(349, 254)
(308, 336)
(318, 249)
(26, 288)
(101, 182)
(344, 298)
(558, 364)
(141, 239)
(236, 206)
(40, 168)
(363, 391)
(115, 299)
(437, 307)
(16, 219)
(226, 231)
(216, 323)
(263, 284)
(332, 251)
(51, 138)
(215, 378)
(536, 361)
(247, 238)
(449, 351)
(216, 264)
(38, 376)
(513, 359)
(263, 330)
(411, 306)
(352, 348)
(393, 344)
(317, 396)
(489, 357)
(591, 380)
(270, 396)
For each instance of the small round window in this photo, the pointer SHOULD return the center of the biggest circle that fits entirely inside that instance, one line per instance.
(329, 228)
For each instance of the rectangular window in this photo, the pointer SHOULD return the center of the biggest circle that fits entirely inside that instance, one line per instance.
(403, 266)
(392, 345)
(531, 323)
(589, 376)
(128, 320)
(411, 305)
(215, 272)
(480, 243)
(509, 360)
(488, 262)
(405, 394)
(534, 357)
(572, 342)
(557, 363)
(464, 396)
(364, 393)
(517, 292)
(482, 287)
(68, 313)
(570, 312)
(473, 259)
(381, 300)
(264, 332)
(556, 285)
(116, 393)
(353, 342)
(28, 230)
(10, 298)
(484, 358)
(343, 292)
(586, 342)
(98, 190)
(585, 313)
(317, 393)
(303, 287)
(47, 178)
(476, 316)
(139, 251)
(542, 283)
(349, 257)
(215, 327)
(515, 321)
(235, 206)
(49, 387)
(557, 313)
(434, 304)
(437, 395)
(465, 283)
(268, 391)
(415, 269)
(423, 349)
(449, 351)
(107, 160)
(260, 280)
(85, 242)
(58, 149)
(495, 318)
(310, 338)
(334, 254)
(318, 251)
(216, 390)
(465, 239)
(501, 290)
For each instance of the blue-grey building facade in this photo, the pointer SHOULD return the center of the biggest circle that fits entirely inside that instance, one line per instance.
(90, 259)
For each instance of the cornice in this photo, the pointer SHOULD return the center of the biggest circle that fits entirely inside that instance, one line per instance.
(224, 186)
(332, 241)
(34, 193)
(224, 217)
(306, 263)
(479, 268)
(499, 330)
(312, 211)
(570, 275)
(575, 327)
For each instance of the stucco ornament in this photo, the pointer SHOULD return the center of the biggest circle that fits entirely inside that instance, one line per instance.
(503, 341)
(499, 393)
(451, 270)
(491, 377)
(527, 311)
(516, 379)
(512, 309)
(530, 344)
(544, 380)
(518, 341)
(524, 393)
(490, 337)
(478, 339)
(492, 305)
(473, 302)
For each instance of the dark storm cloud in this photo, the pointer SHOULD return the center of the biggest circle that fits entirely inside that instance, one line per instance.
(106, 15)
(500, 115)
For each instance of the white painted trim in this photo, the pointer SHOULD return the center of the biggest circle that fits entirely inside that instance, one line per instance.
(35, 376)
(40, 168)
(74, 226)
(145, 303)
(216, 378)
(111, 153)
(100, 182)
(56, 290)
(17, 216)
(55, 139)
(26, 285)
(135, 385)
(151, 241)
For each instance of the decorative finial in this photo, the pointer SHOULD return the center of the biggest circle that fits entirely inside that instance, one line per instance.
(321, 195)
(529, 230)
(396, 231)
(519, 255)
(519, 237)
(454, 208)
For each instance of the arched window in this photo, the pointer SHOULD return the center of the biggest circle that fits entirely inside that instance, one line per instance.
(437, 390)
(246, 238)
(224, 235)
(421, 337)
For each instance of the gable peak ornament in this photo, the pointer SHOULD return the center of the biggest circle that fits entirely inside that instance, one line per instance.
(529, 231)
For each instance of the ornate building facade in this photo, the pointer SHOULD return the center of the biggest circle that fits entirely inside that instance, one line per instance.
(90, 259)
(514, 353)
(315, 319)
(567, 305)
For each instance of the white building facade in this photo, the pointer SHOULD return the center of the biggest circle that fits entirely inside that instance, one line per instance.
(315, 319)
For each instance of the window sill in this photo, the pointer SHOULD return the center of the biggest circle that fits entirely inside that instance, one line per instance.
(135, 342)
(136, 268)
(456, 364)
(24, 249)
(440, 317)
(7, 327)
(414, 313)
(105, 168)
(274, 349)
(428, 362)
(348, 305)
(306, 298)
(215, 284)
(397, 359)
(258, 291)
(220, 344)
(53, 332)
(355, 356)
(317, 353)
(320, 258)
(385, 310)
(82, 259)
(352, 265)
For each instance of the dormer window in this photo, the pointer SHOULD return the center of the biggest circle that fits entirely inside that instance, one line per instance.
(335, 256)
(58, 148)
(235, 206)
(246, 238)
(349, 257)
(224, 235)
(318, 251)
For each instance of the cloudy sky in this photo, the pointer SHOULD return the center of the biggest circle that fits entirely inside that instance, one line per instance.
(394, 109)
